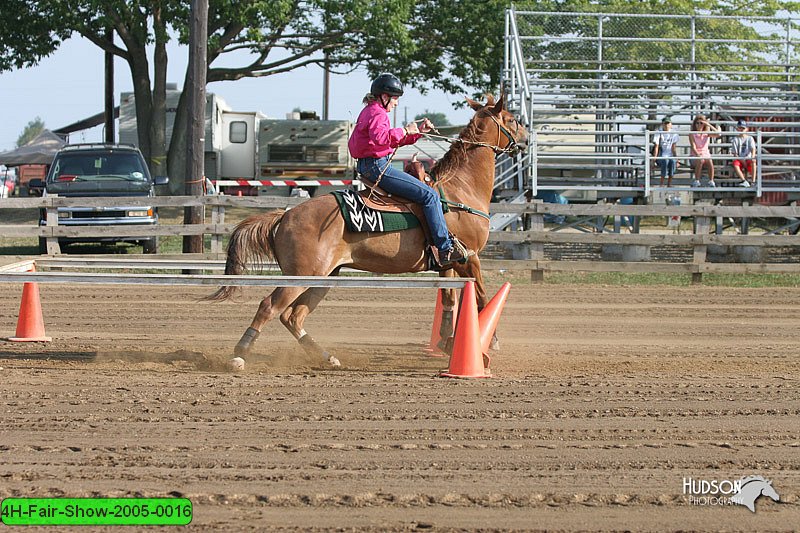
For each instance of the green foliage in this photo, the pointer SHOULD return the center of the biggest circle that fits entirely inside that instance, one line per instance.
(438, 119)
(29, 31)
(662, 59)
(34, 128)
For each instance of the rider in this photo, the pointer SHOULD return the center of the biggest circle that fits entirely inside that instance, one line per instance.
(372, 142)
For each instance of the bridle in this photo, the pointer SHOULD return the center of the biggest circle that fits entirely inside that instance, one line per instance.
(511, 148)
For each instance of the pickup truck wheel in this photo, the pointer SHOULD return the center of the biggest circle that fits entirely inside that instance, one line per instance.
(150, 246)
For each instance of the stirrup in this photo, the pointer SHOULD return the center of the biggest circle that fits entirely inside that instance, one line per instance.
(459, 253)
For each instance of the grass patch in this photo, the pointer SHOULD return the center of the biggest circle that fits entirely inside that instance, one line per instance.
(673, 280)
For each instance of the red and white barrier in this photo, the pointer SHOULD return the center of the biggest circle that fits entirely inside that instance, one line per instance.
(282, 183)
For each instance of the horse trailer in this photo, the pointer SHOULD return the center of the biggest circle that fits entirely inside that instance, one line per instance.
(248, 153)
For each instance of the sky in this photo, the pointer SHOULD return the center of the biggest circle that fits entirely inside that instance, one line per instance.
(68, 86)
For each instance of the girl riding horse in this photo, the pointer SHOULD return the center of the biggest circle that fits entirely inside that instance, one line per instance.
(312, 240)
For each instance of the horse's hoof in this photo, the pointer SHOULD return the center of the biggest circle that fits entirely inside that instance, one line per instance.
(494, 344)
(236, 364)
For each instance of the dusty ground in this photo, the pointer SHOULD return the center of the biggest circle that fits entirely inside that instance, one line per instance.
(603, 400)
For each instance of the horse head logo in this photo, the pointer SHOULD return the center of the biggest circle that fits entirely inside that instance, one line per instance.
(751, 488)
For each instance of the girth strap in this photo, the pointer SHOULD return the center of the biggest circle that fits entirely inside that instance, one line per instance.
(464, 207)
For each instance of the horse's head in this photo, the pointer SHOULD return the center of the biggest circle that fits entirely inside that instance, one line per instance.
(500, 128)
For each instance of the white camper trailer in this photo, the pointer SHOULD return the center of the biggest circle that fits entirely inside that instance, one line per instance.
(246, 153)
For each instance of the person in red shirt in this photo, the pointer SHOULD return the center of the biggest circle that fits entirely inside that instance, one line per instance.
(372, 142)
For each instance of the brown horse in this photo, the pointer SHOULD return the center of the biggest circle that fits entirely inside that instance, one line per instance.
(311, 239)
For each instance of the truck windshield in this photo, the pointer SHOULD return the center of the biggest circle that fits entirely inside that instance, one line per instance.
(92, 167)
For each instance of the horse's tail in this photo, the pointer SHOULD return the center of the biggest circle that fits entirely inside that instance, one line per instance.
(252, 242)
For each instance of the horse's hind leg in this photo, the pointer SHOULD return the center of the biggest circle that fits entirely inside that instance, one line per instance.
(270, 307)
(295, 315)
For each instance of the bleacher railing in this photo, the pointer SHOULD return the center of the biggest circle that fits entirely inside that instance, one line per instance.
(610, 77)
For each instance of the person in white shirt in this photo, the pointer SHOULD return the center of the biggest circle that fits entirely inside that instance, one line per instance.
(665, 151)
(743, 150)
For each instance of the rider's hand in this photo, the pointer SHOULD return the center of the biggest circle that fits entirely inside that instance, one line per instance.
(426, 126)
(412, 129)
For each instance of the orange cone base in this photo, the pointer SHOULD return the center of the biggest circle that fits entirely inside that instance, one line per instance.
(31, 339)
(467, 359)
(487, 374)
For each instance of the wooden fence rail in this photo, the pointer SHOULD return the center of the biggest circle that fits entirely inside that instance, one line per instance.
(529, 244)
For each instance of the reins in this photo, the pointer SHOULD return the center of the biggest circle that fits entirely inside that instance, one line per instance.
(511, 148)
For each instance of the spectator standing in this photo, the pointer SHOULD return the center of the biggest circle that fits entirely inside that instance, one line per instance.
(699, 143)
(743, 150)
(666, 142)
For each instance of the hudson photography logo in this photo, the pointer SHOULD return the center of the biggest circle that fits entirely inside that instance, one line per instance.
(744, 491)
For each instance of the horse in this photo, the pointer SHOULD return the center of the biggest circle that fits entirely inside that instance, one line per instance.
(311, 239)
(752, 487)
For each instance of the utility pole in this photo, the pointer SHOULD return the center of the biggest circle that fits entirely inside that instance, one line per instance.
(196, 114)
(109, 90)
(326, 86)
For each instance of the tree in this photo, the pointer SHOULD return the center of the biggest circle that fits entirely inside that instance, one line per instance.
(664, 49)
(33, 32)
(438, 119)
(453, 45)
(34, 128)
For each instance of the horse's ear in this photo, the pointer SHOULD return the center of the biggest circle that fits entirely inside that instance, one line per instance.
(499, 105)
(473, 104)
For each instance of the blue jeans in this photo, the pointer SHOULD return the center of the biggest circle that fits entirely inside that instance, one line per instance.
(667, 167)
(398, 182)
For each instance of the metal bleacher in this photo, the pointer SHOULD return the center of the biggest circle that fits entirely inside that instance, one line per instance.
(593, 87)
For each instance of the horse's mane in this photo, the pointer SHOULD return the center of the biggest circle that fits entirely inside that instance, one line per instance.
(444, 169)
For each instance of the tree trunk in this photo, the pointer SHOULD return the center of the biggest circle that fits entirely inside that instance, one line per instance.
(158, 126)
(144, 100)
(176, 160)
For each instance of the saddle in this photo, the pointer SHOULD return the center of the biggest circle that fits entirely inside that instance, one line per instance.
(380, 200)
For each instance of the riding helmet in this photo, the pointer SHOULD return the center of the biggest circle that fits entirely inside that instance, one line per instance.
(387, 84)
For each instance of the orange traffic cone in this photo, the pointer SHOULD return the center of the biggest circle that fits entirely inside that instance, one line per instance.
(490, 316)
(467, 359)
(30, 324)
(433, 346)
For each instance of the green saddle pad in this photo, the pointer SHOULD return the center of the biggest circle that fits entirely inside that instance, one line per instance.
(359, 217)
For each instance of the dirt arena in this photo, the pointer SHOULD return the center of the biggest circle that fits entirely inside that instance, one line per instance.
(604, 399)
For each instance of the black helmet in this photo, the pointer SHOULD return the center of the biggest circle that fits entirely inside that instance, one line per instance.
(387, 84)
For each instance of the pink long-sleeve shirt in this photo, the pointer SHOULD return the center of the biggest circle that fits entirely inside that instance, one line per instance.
(373, 135)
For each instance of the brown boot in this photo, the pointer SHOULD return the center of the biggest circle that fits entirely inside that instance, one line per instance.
(457, 254)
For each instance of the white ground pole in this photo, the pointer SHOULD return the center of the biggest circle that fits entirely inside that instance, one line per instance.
(20, 272)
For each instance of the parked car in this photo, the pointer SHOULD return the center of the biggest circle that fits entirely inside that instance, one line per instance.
(95, 170)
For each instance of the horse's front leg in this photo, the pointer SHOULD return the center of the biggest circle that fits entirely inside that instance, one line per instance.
(270, 307)
(448, 305)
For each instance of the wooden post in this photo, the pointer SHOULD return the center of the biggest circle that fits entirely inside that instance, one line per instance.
(109, 90)
(217, 219)
(701, 227)
(195, 143)
(51, 220)
(537, 248)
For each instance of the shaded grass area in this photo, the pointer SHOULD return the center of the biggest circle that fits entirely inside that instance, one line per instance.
(675, 280)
